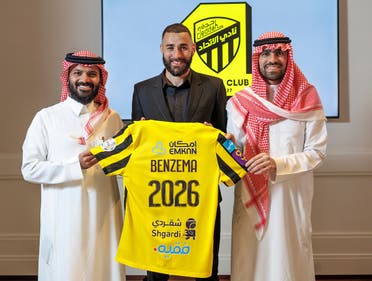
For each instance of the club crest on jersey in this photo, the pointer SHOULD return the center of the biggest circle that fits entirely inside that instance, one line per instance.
(109, 145)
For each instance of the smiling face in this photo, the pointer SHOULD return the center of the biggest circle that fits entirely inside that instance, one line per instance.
(177, 50)
(273, 64)
(84, 83)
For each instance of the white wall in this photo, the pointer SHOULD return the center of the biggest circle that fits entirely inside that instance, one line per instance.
(35, 35)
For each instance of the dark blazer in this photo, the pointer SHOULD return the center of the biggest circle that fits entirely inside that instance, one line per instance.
(207, 100)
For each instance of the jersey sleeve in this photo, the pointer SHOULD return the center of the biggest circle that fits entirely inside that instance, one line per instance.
(113, 154)
(230, 160)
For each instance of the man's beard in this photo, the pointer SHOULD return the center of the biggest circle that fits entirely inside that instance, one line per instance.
(177, 71)
(276, 76)
(83, 100)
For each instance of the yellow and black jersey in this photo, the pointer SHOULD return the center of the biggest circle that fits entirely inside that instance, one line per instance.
(171, 172)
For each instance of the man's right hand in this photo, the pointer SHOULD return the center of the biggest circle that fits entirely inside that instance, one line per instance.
(87, 159)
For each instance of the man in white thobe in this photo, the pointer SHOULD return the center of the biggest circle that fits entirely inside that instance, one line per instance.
(280, 124)
(81, 215)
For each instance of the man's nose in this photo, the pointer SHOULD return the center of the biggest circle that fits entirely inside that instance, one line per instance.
(84, 77)
(178, 53)
(272, 56)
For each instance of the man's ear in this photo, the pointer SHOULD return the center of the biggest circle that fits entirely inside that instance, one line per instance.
(193, 48)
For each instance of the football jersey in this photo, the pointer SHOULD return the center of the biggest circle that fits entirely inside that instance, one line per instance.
(171, 172)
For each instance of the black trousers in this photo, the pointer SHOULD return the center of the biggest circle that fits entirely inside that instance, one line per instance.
(154, 276)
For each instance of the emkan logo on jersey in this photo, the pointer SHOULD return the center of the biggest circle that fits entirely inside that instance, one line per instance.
(175, 147)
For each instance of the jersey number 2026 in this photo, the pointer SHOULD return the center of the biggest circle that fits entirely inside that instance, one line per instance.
(168, 193)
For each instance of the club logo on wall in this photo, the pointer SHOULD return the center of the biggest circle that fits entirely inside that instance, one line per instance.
(217, 41)
(223, 36)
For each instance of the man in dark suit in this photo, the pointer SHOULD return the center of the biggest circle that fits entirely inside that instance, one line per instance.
(180, 94)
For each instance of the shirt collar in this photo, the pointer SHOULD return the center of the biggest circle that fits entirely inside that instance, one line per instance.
(79, 108)
(271, 92)
(167, 83)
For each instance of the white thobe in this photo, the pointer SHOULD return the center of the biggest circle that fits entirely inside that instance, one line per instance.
(285, 252)
(81, 215)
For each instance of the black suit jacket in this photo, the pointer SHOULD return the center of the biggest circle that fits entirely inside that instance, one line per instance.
(207, 100)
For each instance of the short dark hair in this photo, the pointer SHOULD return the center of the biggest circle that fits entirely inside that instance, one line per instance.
(176, 28)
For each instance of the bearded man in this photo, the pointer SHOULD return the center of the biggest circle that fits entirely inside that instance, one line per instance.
(81, 214)
(280, 125)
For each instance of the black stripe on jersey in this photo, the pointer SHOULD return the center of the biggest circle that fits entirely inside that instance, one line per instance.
(123, 129)
(221, 138)
(236, 154)
(116, 166)
(227, 170)
(118, 148)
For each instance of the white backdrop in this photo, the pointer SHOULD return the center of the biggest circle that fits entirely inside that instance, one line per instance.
(132, 34)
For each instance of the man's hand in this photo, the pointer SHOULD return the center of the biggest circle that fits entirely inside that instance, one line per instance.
(87, 159)
(261, 163)
(231, 137)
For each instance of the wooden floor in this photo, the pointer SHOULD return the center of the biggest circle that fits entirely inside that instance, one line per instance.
(226, 278)
(222, 278)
